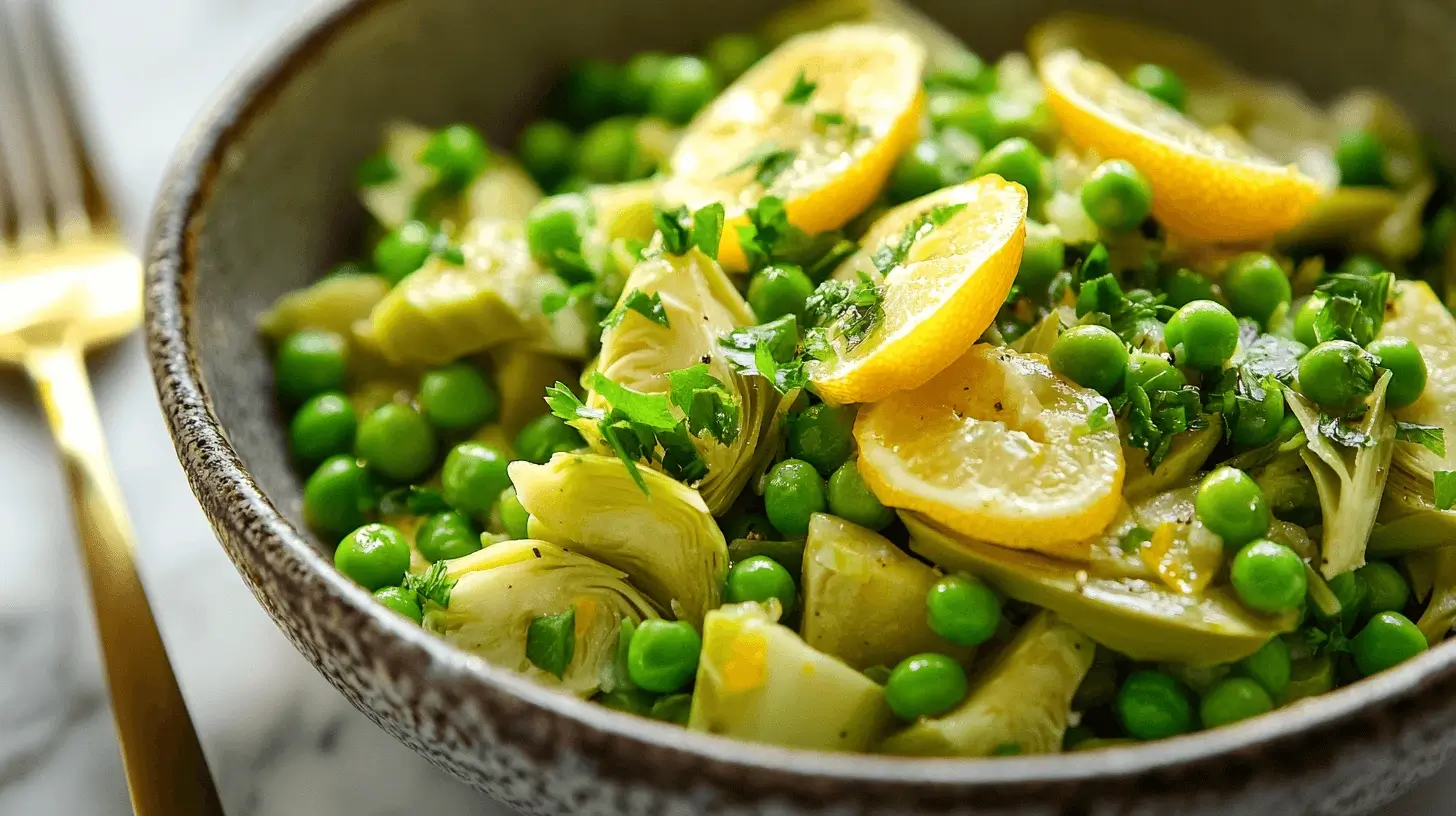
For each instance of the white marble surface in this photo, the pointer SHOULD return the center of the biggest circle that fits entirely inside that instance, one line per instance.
(280, 740)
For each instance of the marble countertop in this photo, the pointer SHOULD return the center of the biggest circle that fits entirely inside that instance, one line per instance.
(280, 740)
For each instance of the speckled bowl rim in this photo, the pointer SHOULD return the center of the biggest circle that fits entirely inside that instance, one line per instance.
(194, 425)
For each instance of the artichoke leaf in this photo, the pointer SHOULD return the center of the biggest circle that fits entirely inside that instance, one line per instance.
(1350, 481)
(502, 191)
(501, 589)
(700, 305)
(1139, 618)
(522, 376)
(864, 598)
(393, 202)
(759, 681)
(664, 539)
(1190, 450)
(1040, 338)
(1440, 614)
(1024, 700)
(333, 304)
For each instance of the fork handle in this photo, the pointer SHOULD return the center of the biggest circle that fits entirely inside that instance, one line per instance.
(166, 770)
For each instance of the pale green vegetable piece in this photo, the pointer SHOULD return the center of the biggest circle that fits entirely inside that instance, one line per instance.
(664, 539)
(623, 211)
(522, 375)
(1142, 619)
(393, 202)
(759, 681)
(1440, 614)
(864, 599)
(1040, 338)
(1350, 480)
(503, 191)
(700, 305)
(502, 588)
(1023, 700)
(1189, 452)
(333, 304)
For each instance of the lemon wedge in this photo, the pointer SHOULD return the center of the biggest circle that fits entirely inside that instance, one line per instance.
(998, 448)
(819, 123)
(1206, 186)
(939, 297)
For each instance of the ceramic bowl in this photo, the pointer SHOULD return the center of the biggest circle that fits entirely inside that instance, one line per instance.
(259, 200)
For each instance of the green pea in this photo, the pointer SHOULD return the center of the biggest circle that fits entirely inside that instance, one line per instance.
(963, 111)
(589, 93)
(851, 499)
(925, 685)
(639, 76)
(1305, 316)
(457, 397)
(608, 150)
(963, 610)
(574, 183)
(1152, 372)
(919, 172)
(555, 227)
(792, 493)
(1258, 423)
(1234, 699)
(373, 556)
(401, 252)
(1354, 597)
(400, 600)
(1183, 286)
(1151, 705)
(761, 579)
(1256, 286)
(663, 655)
(733, 54)
(396, 442)
(544, 437)
(513, 516)
(1091, 356)
(1161, 84)
(446, 535)
(1231, 505)
(457, 154)
(322, 427)
(683, 87)
(548, 151)
(338, 496)
(1268, 577)
(310, 362)
(1403, 359)
(1202, 335)
(1042, 258)
(823, 436)
(1270, 666)
(961, 69)
(779, 290)
(1116, 196)
(1015, 117)
(1440, 230)
(1363, 265)
(1018, 160)
(1336, 374)
(1360, 156)
(1388, 640)
(1388, 589)
(474, 477)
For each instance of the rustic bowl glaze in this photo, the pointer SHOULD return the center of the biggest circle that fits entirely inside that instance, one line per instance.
(259, 200)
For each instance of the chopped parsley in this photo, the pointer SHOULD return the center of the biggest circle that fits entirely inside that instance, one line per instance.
(829, 119)
(706, 403)
(1431, 437)
(1341, 432)
(682, 231)
(767, 230)
(768, 161)
(1134, 539)
(1354, 309)
(1155, 417)
(769, 350)
(801, 91)
(376, 170)
(847, 311)
(551, 642)
(894, 253)
(649, 306)
(1445, 489)
(1099, 420)
(1329, 641)
(1134, 316)
(433, 585)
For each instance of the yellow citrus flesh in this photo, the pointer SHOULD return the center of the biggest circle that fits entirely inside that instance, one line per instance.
(1206, 187)
(998, 448)
(1123, 45)
(940, 300)
(842, 140)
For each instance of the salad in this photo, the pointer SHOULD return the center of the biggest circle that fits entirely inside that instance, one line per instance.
(834, 388)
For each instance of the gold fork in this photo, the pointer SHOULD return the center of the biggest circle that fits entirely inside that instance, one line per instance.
(68, 283)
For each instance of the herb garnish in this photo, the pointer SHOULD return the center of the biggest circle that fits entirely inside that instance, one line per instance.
(1355, 307)
(894, 253)
(1445, 489)
(769, 162)
(769, 350)
(801, 90)
(434, 585)
(551, 641)
(649, 306)
(682, 231)
(376, 170)
(1431, 437)
(845, 310)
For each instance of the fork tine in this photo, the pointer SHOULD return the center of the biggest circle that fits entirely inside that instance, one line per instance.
(50, 116)
(18, 162)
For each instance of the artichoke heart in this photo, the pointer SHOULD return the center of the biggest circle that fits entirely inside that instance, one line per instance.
(664, 538)
(333, 304)
(501, 589)
(1020, 705)
(393, 202)
(864, 598)
(759, 681)
(1189, 451)
(1139, 618)
(700, 305)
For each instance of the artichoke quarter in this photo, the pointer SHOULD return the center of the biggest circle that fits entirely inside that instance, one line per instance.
(700, 305)
(664, 539)
(501, 589)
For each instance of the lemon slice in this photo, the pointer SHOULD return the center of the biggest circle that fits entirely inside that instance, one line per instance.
(1123, 45)
(826, 151)
(1206, 187)
(998, 448)
(939, 299)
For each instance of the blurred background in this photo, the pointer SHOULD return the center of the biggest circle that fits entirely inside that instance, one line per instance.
(280, 740)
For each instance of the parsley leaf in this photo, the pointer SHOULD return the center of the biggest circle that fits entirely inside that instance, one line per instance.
(649, 306)
(784, 375)
(433, 585)
(1134, 539)
(568, 406)
(551, 642)
(682, 231)
(1155, 417)
(846, 310)
(708, 229)
(894, 253)
(638, 424)
(1355, 306)
(1327, 641)
(1432, 437)
(768, 226)
(652, 411)
(705, 400)
(553, 302)
(801, 90)
(376, 170)
(768, 162)
(1100, 419)
(828, 119)
(769, 350)
(1338, 430)
(1445, 484)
